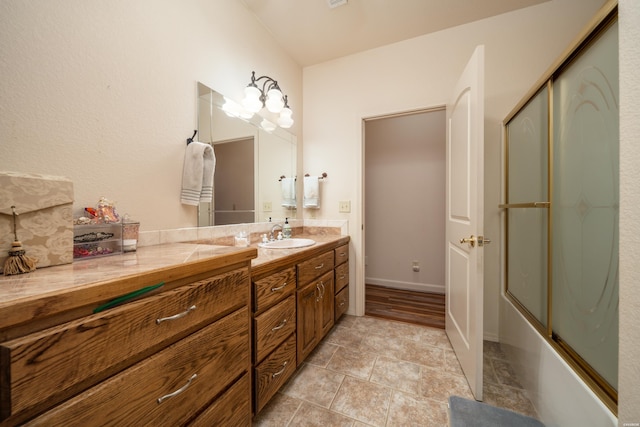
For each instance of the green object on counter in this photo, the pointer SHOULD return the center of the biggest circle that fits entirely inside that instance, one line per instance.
(127, 297)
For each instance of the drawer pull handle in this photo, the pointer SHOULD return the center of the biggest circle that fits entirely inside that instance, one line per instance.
(176, 316)
(343, 276)
(342, 304)
(343, 254)
(320, 266)
(279, 287)
(178, 391)
(281, 371)
(280, 326)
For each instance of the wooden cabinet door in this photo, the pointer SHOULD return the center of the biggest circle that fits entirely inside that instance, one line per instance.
(307, 329)
(326, 302)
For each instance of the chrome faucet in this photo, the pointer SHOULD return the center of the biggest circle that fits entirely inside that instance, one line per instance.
(271, 238)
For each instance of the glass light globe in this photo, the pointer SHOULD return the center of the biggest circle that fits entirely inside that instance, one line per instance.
(285, 120)
(274, 102)
(251, 101)
(267, 125)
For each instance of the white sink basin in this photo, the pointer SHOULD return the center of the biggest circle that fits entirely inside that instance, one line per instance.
(287, 243)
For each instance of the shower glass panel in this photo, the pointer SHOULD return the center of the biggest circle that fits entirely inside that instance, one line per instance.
(528, 141)
(585, 201)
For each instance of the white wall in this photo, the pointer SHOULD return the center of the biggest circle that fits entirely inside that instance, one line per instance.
(629, 58)
(104, 92)
(419, 73)
(405, 201)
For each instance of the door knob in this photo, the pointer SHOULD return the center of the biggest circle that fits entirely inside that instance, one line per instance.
(483, 241)
(470, 240)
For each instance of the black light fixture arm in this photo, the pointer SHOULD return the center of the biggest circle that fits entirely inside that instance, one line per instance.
(267, 81)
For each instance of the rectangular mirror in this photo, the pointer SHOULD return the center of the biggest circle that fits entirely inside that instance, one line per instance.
(250, 162)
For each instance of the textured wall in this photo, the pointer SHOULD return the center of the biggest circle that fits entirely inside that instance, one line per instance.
(629, 368)
(105, 93)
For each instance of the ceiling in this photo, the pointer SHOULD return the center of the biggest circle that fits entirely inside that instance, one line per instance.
(312, 32)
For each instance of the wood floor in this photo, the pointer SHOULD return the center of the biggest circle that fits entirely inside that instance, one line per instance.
(422, 308)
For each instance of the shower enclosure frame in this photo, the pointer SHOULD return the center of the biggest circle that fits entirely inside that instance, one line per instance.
(542, 319)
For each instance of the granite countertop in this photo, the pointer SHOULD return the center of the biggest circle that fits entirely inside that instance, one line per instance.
(45, 282)
(270, 255)
(48, 280)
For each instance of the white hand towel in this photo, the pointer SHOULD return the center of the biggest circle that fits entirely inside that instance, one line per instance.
(288, 192)
(197, 174)
(311, 192)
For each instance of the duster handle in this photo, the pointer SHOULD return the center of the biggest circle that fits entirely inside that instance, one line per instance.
(15, 233)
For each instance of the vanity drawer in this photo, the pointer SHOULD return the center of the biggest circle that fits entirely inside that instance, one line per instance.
(233, 408)
(169, 387)
(342, 276)
(273, 326)
(273, 288)
(274, 371)
(342, 254)
(316, 266)
(341, 303)
(53, 364)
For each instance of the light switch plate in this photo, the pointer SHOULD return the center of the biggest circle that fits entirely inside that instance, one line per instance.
(266, 207)
(344, 206)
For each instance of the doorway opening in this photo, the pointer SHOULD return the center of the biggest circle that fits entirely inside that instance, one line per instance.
(404, 200)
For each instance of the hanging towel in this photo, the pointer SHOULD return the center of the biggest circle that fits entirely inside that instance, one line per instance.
(197, 174)
(311, 192)
(288, 192)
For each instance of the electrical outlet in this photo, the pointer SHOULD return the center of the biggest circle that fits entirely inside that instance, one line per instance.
(266, 207)
(415, 265)
(344, 206)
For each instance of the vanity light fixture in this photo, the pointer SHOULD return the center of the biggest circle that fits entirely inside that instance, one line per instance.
(270, 96)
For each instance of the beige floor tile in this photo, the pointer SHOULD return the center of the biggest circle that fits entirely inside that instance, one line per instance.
(435, 337)
(396, 374)
(314, 416)
(439, 385)
(408, 410)
(278, 412)
(363, 401)
(352, 362)
(493, 350)
(346, 337)
(373, 372)
(314, 384)
(488, 373)
(508, 398)
(390, 346)
(347, 321)
(505, 373)
(451, 363)
(422, 354)
(322, 354)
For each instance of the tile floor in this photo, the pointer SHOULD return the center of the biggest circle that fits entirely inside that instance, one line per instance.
(376, 372)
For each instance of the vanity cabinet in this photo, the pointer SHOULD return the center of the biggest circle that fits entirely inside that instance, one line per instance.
(274, 326)
(293, 309)
(179, 354)
(341, 281)
(315, 302)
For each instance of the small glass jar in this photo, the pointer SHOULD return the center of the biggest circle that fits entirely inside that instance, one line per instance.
(130, 236)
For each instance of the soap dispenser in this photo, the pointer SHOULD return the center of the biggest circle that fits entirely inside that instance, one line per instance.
(286, 229)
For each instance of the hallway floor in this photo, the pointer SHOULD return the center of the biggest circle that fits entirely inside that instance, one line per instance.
(376, 372)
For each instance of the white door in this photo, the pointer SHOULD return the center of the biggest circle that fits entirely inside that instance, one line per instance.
(464, 204)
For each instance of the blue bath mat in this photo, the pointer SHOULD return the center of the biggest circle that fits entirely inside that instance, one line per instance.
(465, 412)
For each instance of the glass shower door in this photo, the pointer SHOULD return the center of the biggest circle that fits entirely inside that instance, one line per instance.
(528, 202)
(585, 205)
